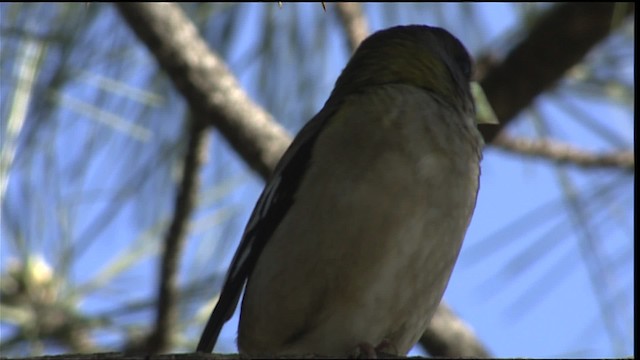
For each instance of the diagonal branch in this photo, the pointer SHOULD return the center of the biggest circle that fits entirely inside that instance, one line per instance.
(565, 153)
(206, 83)
(557, 41)
(353, 21)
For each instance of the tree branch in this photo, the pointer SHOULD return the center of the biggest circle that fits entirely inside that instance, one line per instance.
(353, 21)
(556, 42)
(167, 313)
(565, 153)
(449, 336)
(183, 356)
(201, 76)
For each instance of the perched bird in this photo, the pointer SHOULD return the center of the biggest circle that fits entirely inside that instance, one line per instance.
(351, 245)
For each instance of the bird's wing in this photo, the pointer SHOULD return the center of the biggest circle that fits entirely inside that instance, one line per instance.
(270, 209)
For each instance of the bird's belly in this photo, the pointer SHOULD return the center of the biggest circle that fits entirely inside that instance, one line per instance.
(357, 281)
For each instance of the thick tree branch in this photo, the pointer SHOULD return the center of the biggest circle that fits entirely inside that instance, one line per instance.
(556, 42)
(184, 356)
(353, 21)
(208, 86)
(565, 153)
(449, 336)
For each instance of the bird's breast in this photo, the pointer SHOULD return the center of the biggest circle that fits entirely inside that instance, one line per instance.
(369, 243)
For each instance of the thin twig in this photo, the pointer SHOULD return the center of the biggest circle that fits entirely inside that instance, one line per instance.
(565, 153)
(167, 312)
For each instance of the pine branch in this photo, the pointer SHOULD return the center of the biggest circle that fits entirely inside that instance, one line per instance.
(167, 313)
(565, 153)
(206, 83)
(449, 336)
(559, 40)
(353, 21)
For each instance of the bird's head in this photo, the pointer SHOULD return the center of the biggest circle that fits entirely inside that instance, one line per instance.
(423, 56)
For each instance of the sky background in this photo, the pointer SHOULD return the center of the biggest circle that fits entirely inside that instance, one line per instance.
(525, 277)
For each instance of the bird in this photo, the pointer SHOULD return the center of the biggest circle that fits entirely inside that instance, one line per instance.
(352, 242)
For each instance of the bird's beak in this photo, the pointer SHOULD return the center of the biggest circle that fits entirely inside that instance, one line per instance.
(484, 111)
